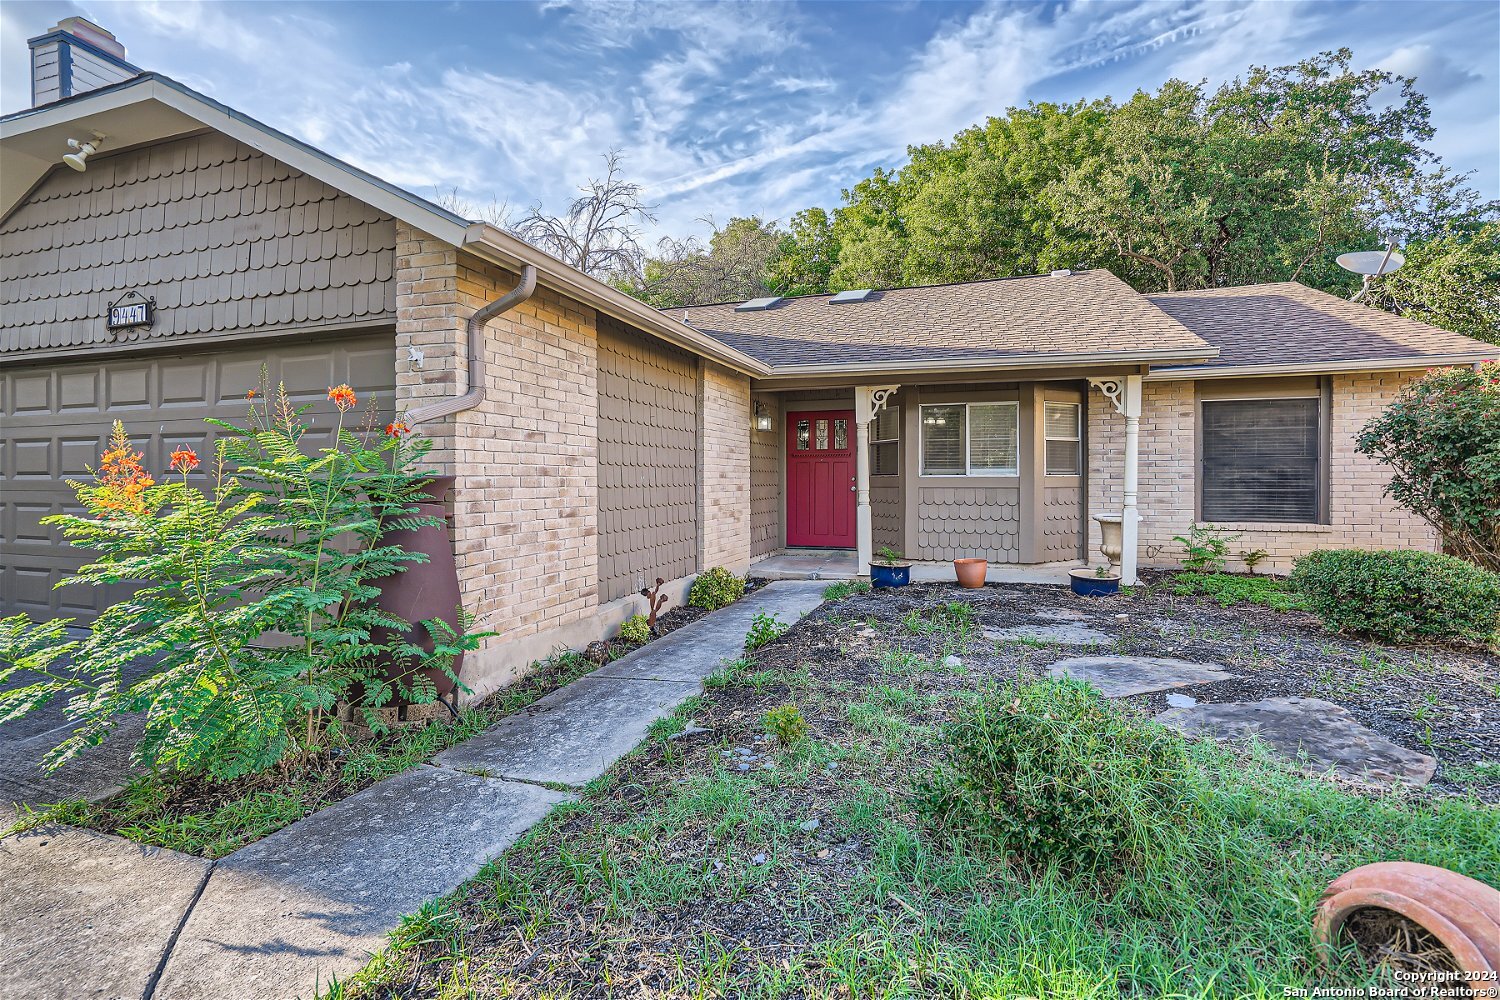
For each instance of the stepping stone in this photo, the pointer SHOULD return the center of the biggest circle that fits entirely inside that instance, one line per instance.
(1327, 734)
(1122, 676)
(88, 914)
(1061, 615)
(696, 650)
(280, 917)
(1062, 635)
(573, 734)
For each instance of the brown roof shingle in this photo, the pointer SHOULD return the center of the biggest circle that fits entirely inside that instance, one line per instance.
(1086, 312)
(1290, 324)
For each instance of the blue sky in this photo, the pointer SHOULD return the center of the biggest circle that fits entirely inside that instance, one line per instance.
(734, 108)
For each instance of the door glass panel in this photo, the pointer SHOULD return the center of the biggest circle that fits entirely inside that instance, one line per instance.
(841, 434)
(803, 435)
(822, 435)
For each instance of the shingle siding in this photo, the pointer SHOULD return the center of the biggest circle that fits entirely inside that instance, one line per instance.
(959, 522)
(225, 239)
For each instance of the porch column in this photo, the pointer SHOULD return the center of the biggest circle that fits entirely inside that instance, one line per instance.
(868, 401)
(1125, 394)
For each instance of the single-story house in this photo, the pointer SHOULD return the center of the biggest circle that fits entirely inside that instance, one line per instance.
(599, 443)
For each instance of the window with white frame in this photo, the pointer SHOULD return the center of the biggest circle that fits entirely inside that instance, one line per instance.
(885, 442)
(1061, 424)
(971, 439)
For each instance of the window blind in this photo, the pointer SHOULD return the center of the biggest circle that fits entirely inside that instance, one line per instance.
(1261, 460)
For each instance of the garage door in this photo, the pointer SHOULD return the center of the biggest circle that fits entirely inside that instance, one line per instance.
(54, 420)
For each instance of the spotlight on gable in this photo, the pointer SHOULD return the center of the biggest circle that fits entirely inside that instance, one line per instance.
(79, 160)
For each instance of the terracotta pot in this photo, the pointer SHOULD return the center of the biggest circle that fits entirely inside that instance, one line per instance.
(970, 572)
(1461, 912)
(425, 590)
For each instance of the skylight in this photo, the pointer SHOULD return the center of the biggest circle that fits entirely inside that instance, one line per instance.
(853, 295)
(756, 305)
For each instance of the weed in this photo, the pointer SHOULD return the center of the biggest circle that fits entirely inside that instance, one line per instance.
(845, 588)
(785, 722)
(764, 628)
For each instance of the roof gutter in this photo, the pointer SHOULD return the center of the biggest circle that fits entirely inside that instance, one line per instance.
(996, 364)
(475, 393)
(1319, 367)
(502, 248)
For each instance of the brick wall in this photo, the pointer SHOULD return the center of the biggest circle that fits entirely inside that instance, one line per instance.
(1360, 515)
(525, 458)
(724, 460)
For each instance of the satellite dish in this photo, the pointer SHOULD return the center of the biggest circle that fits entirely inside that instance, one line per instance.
(1371, 262)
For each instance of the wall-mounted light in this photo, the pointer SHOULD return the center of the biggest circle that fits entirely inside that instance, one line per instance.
(78, 159)
(762, 417)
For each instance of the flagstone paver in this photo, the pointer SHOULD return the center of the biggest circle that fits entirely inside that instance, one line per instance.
(1122, 676)
(1063, 634)
(84, 914)
(1328, 736)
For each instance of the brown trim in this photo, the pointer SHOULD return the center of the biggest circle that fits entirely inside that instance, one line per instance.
(1031, 451)
(1311, 387)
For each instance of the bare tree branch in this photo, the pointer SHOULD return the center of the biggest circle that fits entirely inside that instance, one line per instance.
(600, 231)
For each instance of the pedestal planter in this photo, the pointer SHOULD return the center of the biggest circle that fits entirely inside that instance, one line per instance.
(425, 590)
(970, 572)
(890, 576)
(1111, 536)
(1462, 914)
(1088, 583)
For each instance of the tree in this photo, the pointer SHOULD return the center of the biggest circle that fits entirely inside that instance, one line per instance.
(809, 251)
(1451, 280)
(600, 231)
(871, 234)
(735, 265)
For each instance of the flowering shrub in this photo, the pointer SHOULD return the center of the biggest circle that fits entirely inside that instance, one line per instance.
(287, 545)
(1441, 438)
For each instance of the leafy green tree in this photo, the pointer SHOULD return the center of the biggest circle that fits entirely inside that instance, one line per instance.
(809, 251)
(736, 264)
(871, 231)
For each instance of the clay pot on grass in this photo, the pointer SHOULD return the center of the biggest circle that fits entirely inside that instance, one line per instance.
(1415, 918)
(970, 572)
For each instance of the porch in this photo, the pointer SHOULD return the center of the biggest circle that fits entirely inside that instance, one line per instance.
(937, 469)
(843, 564)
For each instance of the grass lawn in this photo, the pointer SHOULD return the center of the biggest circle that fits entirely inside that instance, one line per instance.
(721, 864)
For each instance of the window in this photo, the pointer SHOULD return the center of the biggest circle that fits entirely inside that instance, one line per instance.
(1060, 424)
(1261, 460)
(885, 442)
(804, 435)
(970, 439)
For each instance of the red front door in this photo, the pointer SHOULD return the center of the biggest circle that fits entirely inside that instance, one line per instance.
(820, 479)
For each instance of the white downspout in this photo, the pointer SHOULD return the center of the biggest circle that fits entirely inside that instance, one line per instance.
(864, 538)
(1130, 521)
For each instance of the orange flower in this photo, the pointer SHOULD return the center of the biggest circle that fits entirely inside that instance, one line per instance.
(121, 478)
(184, 459)
(343, 397)
(250, 394)
(397, 429)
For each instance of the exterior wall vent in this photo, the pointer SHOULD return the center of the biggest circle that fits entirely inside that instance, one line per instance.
(758, 305)
(853, 295)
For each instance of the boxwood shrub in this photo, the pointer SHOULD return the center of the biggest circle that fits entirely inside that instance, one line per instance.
(1400, 596)
(716, 588)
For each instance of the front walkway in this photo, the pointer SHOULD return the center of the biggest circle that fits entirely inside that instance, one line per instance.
(843, 564)
(95, 915)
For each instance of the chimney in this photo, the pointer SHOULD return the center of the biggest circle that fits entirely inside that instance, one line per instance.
(73, 58)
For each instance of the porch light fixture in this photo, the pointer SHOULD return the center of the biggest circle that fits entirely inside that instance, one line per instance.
(762, 417)
(78, 159)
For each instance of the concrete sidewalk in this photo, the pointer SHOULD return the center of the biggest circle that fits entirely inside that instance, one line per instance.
(281, 917)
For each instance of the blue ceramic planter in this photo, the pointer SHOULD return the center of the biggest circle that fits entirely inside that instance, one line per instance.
(1086, 584)
(890, 576)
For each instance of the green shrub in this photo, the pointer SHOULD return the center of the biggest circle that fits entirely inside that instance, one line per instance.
(636, 630)
(765, 628)
(845, 588)
(1207, 549)
(1228, 589)
(1400, 596)
(1441, 438)
(716, 588)
(1049, 770)
(785, 722)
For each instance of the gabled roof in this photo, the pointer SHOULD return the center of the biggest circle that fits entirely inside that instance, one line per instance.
(151, 108)
(1289, 327)
(1080, 316)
